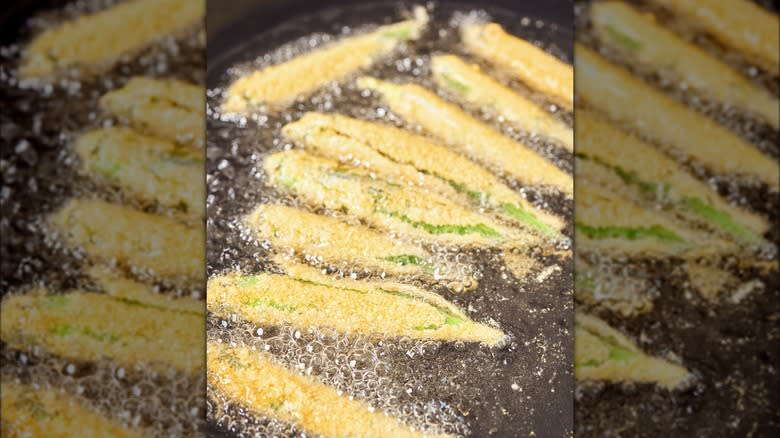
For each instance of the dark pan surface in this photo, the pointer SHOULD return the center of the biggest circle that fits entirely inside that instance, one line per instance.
(515, 391)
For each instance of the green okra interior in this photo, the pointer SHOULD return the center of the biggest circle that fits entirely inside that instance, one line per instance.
(64, 330)
(183, 157)
(615, 352)
(402, 33)
(455, 84)
(657, 232)
(622, 38)
(461, 230)
(232, 360)
(449, 320)
(436, 228)
(108, 170)
(718, 218)
(287, 181)
(630, 177)
(406, 259)
(524, 216)
(480, 229)
(247, 281)
(259, 302)
(67, 330)
(516, 211)
(705, 210)
(131, 302)
(479, 197)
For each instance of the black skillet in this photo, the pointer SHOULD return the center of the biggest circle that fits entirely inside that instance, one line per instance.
(240, 31)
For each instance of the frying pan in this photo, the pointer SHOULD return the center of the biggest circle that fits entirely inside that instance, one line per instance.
(241, 31)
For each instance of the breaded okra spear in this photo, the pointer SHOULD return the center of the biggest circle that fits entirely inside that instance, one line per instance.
(279, 84)
(90, 326)
(641, 40)
(466, 134)
(149, 168)
(405, 158)
(332, 241)
(528, 63)
(305, 298)
(606, 222)
(409, 211)
(96, 41)
(155, 244)
(647, 175)
(166, 108)
(254, 381)
(317, 133)
(603, 353)
(615, 92)
(36, 412)
(470, 85)
(740, 24)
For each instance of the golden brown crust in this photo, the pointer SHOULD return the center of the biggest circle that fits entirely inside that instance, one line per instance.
(378, 309)
(160, 246)
(468, 135)
(528, 63)
(332, 241)
(409, 159)
(148, 168)
(615, 92)
(266, 388)
(96, 41)
(90, 326)
(279, 84)
(410, 212)
(660, 234)
(740, 24)
(166, 108)
(33, 412)
(603, 353)
(640, 39)
(468, 84)
(601, 142)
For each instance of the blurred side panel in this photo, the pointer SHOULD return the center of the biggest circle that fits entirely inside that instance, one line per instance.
(676, 226)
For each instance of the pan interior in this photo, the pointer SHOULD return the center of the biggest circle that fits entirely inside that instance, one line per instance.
(463, 389)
